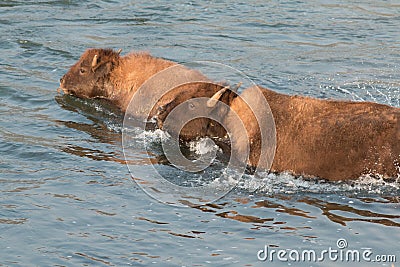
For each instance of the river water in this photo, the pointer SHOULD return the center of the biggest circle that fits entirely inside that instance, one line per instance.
(67, 197)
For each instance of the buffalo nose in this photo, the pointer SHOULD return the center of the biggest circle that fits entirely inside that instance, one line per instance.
(62, 79)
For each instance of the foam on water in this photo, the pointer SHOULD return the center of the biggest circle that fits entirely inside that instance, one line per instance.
(153, 136)
(286, 183)
(267, 183)
(203, 146)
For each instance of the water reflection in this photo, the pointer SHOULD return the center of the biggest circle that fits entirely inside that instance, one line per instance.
(94, 259)
(13, 221)
(234, 215)
(354, 214)
(105, 129)
(280, 205)
(282, 209)
(94, 154)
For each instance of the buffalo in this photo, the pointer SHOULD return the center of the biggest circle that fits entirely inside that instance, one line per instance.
(104, 73)
(328, 139)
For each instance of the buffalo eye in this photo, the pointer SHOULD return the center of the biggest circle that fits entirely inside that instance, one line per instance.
(82, 71)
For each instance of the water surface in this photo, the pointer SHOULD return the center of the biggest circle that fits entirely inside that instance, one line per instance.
(67, 198)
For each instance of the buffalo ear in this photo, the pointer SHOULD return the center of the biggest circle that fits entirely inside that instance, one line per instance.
(99, 63)
(96, 63)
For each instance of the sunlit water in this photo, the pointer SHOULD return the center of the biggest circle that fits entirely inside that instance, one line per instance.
(67, 198)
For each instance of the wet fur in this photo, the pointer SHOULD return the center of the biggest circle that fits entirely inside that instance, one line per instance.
(329, 139)
(334, 140)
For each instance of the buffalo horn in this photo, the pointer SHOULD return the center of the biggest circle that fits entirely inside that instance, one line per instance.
(214, 99)
(235, 89)
(94, 62)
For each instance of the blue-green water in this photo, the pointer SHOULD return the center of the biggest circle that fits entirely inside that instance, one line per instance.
(67, 198)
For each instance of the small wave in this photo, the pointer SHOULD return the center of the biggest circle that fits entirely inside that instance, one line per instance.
(369, 90)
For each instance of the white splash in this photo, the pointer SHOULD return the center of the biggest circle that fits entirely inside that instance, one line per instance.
(203, 146)
(154, 136)
(288, 184)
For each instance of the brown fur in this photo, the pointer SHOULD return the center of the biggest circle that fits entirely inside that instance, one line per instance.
(117, 78)
(334, 140)
(114, 77)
